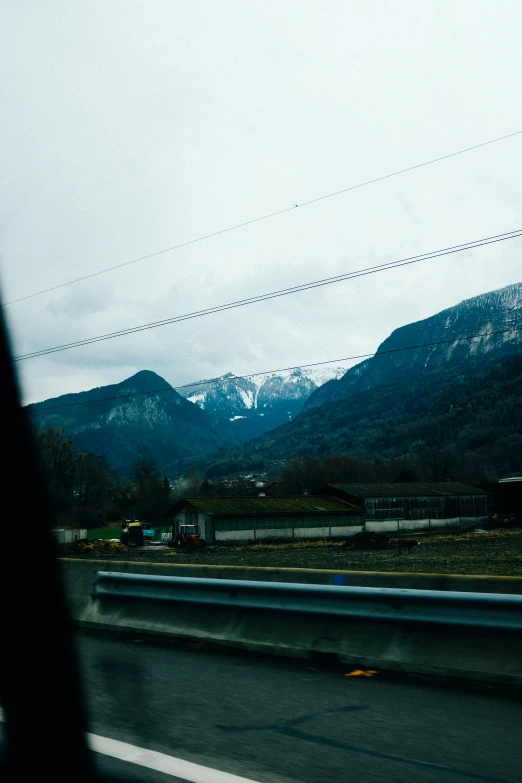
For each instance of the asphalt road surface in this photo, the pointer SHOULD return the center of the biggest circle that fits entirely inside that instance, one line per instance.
(272, 720)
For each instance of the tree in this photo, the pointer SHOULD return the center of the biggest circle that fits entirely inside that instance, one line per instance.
(95, 483)
(60, 458)
(301, 475)
(81, 485)
(144, 469)
(151, 490)
(403, 470)
(440, 465)
(306, 474)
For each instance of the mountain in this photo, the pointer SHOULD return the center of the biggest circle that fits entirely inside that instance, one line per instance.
(164, 425)
(465, 395)
(255, 404)
(475, 410)
(486, 313)
(461, 393)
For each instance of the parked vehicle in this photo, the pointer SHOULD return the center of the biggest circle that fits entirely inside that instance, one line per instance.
(132, 533)
(148, 531)
(187, 538)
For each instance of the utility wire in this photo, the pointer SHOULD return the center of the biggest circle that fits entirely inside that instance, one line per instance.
(270, 372)
(265, 217)
(275, 294)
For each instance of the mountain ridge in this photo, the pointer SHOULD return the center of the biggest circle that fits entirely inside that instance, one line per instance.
(277, 414)
(255, 404)
(480, 314)
(393, 392)
(474, 410)
(131, 419)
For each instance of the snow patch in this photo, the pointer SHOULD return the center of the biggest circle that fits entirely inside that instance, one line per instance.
(198, 399)
(247, 397)
(320, 375)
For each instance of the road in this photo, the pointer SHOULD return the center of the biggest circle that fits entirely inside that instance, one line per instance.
(274, 721)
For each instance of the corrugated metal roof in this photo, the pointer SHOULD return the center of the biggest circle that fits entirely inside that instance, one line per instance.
(411, 489)
(249, 506)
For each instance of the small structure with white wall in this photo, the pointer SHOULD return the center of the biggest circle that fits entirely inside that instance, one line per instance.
(69, 536)
(253, 518)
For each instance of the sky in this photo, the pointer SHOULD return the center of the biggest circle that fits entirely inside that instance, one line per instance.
(130, 127)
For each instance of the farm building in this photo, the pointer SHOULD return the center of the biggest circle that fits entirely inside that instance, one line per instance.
(416, 505)
(251, 518)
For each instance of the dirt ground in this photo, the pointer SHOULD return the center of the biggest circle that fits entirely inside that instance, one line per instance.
(496, 553)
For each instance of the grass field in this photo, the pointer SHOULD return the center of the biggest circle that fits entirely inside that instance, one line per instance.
(495, 553)
(103, 532)
(114, 532)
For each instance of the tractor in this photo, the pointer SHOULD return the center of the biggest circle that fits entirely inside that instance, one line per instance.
(187, 538)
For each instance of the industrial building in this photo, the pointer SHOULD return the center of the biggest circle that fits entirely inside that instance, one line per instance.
(416, 505)
(253, 518)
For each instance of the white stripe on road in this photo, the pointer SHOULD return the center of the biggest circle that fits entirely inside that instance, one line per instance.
(161, 762)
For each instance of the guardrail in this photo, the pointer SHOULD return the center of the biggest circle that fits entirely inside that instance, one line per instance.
(481, 610)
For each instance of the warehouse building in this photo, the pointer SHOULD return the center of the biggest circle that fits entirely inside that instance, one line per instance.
(416, 505)
(252, 518)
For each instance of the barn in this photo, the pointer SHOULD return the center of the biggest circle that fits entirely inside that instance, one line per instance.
(252, 518)
(415, 505)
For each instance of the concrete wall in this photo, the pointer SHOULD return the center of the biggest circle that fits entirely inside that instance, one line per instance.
(423, 525)
(274, 532)
(234, 535)
(328, 532)
(386, 526)
(466, 653)
(260, 533)
(252, 532)
(312, 532)
(287, 532)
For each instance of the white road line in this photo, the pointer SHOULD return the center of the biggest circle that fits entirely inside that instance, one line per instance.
(161, 762)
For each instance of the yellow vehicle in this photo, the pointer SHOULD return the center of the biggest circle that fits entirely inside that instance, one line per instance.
(132, 533)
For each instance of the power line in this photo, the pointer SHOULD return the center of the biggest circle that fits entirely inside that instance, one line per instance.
(276, 294)
(270, 372)
(265, 217)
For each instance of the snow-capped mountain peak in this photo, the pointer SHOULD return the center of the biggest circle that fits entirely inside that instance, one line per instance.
(258, 403)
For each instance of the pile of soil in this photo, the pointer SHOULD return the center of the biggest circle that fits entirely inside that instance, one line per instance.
(368, 541)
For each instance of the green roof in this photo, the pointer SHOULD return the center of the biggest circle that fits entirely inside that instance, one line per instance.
(250, 506)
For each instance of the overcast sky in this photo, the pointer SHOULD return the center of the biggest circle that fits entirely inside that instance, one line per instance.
(128, 127)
